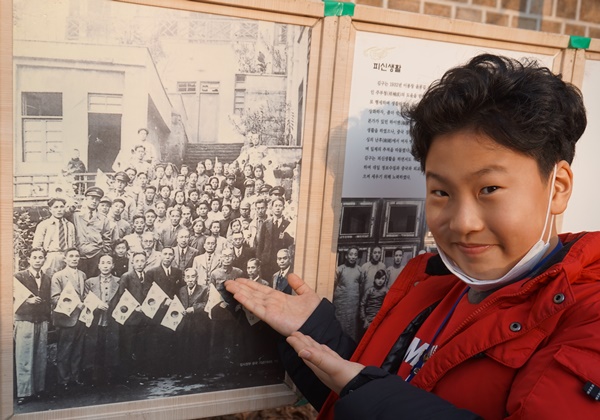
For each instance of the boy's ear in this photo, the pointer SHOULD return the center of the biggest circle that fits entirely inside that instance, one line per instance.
(563, 186)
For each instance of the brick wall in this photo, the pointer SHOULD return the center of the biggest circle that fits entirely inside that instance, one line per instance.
(570, 17)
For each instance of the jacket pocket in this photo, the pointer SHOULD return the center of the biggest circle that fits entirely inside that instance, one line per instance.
(581, 363)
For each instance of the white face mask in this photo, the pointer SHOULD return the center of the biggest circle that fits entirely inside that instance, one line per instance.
(525, 265)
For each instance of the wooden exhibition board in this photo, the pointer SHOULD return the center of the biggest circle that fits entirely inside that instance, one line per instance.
(582, 213)
(373, 23)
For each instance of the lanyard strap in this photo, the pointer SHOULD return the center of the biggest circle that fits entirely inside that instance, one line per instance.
(427, 354)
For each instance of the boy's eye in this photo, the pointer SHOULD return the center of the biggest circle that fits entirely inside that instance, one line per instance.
(489, 190)
(439, 193)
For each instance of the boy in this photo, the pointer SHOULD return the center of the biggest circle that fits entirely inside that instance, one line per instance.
(31, 329)
(102, 337)
(504, 322)
(70, 331)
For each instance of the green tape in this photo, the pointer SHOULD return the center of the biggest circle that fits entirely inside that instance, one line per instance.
(579, 42)
(338, 8)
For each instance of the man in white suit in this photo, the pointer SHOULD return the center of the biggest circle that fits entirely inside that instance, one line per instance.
(206, 263)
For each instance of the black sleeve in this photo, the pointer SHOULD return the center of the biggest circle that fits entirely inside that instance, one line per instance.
(390, 397)
(324, 328)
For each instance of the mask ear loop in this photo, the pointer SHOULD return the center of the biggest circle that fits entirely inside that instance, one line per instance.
(548, 211)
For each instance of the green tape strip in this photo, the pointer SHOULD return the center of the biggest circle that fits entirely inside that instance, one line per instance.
(338, 8)
(579, 42)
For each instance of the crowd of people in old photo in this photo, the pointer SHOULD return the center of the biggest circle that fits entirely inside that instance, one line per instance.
(129, 276)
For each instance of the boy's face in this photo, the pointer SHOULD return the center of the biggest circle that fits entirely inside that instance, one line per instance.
(72, 259)
(486, 204)
(105, 265)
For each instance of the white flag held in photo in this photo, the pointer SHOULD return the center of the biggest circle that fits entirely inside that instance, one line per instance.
(20, 294)
(125, 307)
(90, 303)
(214, 299)
(174, 314)
(68, 300)
(156, 296)
(252, 319)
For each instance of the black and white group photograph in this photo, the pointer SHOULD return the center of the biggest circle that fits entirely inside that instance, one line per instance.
(157, 154)
(376, 239)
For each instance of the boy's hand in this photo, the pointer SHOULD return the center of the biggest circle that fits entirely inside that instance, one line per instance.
(330, 368)
(284, 313)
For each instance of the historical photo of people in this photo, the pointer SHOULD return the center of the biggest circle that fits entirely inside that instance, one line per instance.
(376, 239)
(157, 154)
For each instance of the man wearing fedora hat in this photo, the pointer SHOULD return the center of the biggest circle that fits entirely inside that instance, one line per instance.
(93, 232)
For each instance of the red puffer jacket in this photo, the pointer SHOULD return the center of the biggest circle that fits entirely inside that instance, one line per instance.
(527, 352)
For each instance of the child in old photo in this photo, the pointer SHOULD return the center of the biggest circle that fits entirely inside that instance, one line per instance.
(373, 298)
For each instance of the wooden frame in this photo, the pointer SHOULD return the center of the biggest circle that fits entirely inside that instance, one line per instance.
(316, 123)
(328, 96)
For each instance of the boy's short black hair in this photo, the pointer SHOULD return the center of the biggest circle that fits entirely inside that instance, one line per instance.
(519, 105)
